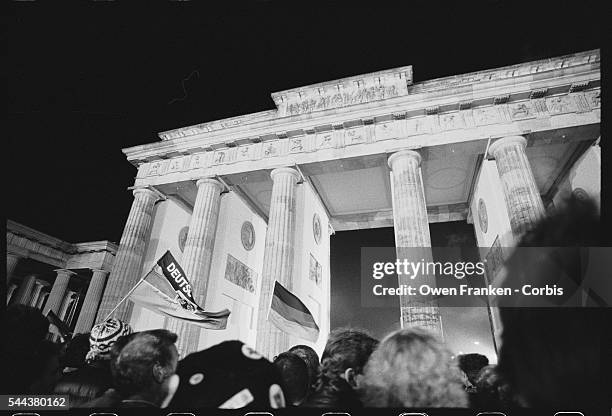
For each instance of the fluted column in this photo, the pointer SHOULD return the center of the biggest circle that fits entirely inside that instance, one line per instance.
(412, 238)
(11, 264)
(278, 257)
(521, 192)
(58, 291)
(130, 255)
(197, 257)
(35, 293)
(87, 316)
(24, 292)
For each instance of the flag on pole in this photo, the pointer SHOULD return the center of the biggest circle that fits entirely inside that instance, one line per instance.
(63, 329)
(166, 290)
(290, 315)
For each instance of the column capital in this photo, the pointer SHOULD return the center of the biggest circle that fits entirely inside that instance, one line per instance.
(403, 155)
(67, 272)
(507, 141)
(211, 181)
(150, 192)
(285, 170)
(100, 271)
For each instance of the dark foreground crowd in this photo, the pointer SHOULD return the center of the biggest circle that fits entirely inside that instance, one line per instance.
(549, 357)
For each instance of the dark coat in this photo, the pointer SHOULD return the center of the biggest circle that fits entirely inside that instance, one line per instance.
(85, 384)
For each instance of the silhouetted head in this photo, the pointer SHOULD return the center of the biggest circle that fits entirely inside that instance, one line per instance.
(471, 364)
(311, 358)
(294, 373)
(552, 357)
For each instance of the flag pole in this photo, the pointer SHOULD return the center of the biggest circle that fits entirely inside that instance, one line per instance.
(130, 292)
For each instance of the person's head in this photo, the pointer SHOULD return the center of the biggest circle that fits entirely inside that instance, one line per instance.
(311, 358)
(471, 364)
(76, 350)
(143, 365)
(345, 354)
(412, 368)
(491, 389)
(229, 375)
(552, 357)
(294, 373)
(103, 336)
(25, 330)
(26, 327)
(47, 368)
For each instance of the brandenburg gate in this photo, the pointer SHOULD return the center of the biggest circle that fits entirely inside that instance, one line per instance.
(249, 200)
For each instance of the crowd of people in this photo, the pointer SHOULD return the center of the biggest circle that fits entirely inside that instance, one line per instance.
(549, 357)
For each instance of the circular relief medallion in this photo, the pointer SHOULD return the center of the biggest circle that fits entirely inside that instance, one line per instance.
(247, 235)
(483, 219)
(316, 228)
(580, 194)
(182, 238)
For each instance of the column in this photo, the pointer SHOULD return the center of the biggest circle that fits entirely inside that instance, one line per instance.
(24, 292)
(278, 257)
(412, 239)
(63, 310)
(197, 257)
(11, 264)
(42, 299)
(9, 292)
(521, 192)
(87, 316)
(58, 291)
(128, 261)
(35, 294)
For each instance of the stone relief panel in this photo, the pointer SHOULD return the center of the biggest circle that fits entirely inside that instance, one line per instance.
(354, 135)
(316, 271)
(325, 140)
(297, 145)
(521, 110)
(593, 98)
(494, 260)
(240, 274)
(158, 167)
(341, 97)
(221, 156)
(272, 148)
(176, 164)
(561, 104)
(487, 115)
(198, 161)
(452, 121)
(386, 130)
(243, 153)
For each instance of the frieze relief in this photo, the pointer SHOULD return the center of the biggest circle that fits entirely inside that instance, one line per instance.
(521, 110)
(385, 131)
(452, 121)
(593, 98)
(325, 140)
(355, 135)
(561, 104)
(369, 132)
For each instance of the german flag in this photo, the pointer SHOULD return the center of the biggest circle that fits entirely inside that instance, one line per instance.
(290, 315)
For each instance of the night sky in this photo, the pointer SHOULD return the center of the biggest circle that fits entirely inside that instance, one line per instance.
(87, 80)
